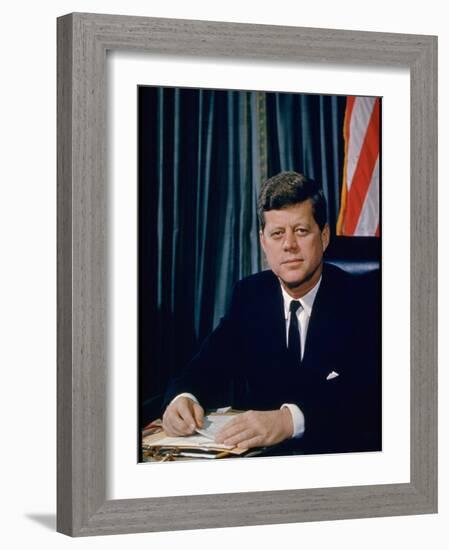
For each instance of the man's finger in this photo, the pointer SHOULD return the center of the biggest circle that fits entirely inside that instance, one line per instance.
(239, 437)
(169, 428)
(198, 413)
(230, 429)
(184, 411)
(179, 424)
(173, 425)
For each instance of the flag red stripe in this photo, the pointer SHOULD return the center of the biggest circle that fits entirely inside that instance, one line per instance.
(350, 101)
(363, 172)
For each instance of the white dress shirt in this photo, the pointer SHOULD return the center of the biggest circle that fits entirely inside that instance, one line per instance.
(303, 315)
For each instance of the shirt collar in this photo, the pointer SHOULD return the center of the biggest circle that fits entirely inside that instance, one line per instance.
(306, 300)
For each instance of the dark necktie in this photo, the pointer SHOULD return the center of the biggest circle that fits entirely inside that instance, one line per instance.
(294, 340)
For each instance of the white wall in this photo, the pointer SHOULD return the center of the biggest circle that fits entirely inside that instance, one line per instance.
(27, 289)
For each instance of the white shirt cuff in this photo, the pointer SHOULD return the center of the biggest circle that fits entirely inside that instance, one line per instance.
(298, 419)
(189, 395)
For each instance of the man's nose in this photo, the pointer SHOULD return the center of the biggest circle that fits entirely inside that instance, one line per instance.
(290, 242)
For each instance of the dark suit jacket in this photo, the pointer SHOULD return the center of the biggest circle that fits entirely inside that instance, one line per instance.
(244, 362)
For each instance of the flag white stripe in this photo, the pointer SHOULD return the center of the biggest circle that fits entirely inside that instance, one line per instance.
(360, 117)
(369, 216)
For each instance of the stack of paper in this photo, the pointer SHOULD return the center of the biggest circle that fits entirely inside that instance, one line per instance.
(203, 441)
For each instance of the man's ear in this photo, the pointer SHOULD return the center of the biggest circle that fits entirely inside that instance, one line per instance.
(325, 236)
(262, 239)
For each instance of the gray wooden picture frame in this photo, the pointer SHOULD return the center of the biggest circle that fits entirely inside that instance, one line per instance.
(83, 40)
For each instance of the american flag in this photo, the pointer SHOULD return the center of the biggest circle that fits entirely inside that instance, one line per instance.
(359, 209)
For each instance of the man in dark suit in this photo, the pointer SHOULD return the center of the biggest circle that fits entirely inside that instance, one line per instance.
(299, 346)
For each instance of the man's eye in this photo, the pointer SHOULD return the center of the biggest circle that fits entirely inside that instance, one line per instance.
(276, 234)
(301, 231)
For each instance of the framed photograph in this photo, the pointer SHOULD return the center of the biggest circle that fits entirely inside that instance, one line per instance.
(112, 131)
(206, 158)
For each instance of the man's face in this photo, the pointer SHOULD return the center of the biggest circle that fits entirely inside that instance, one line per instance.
(294, 245)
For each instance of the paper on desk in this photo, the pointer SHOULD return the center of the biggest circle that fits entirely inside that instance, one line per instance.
(196, 441)
(204, 440)
(212, 425)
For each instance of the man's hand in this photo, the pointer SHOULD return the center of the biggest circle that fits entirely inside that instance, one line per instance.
(257, 429)
(182, 417)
